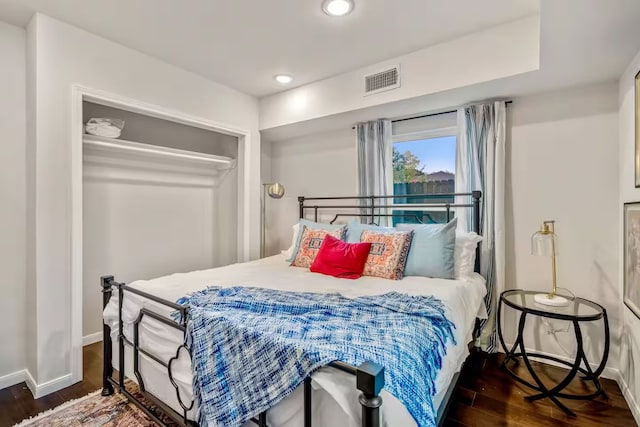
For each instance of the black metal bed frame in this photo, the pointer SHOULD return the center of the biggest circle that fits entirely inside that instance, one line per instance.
(369, 375)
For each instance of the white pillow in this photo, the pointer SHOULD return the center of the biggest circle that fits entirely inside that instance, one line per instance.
(288, 253)
(465, 254)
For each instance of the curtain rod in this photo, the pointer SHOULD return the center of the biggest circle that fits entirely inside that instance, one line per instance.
(428, 115)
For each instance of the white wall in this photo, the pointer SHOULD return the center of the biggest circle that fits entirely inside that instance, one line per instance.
(61, 55)
(561, 164)
(164, 229)
(322, 164)
(13, 196)
(515, 49)
(630, 345)
(144, 219)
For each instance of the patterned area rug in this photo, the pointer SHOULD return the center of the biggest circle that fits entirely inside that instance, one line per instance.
(96, 411)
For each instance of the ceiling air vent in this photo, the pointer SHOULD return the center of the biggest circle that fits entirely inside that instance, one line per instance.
(384, 80)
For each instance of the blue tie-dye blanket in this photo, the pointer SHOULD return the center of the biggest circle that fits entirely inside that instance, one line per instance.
(251, 347)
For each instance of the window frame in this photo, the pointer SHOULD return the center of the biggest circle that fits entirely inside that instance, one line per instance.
(425, 134)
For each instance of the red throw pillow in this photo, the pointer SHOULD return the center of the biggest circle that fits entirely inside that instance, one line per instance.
(341, 259)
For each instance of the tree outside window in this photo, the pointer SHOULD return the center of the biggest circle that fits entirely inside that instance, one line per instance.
(425, 166)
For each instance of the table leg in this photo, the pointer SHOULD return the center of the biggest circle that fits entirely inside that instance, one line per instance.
(512, 355)
(574, 369)
(605, 354)
(589, 376)
(508, 352)
(544, 391)
(593, 376)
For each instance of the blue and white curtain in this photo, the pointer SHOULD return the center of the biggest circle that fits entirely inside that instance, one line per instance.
(480, 165)
(375, 170)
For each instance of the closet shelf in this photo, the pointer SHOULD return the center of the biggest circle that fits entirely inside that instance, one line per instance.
(123, 146)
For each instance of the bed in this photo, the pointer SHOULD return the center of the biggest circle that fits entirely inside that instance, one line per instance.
(152, 348)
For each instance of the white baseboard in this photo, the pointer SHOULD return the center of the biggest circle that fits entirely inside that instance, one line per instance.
(629, 397)
(92, 338)
(39, 390)
(48, 387)
(31, 383)
(12, 379)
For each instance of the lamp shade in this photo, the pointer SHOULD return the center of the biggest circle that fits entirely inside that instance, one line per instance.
(544, 242)
(275, 190)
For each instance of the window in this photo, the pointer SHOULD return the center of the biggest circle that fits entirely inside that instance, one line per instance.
(424, 162)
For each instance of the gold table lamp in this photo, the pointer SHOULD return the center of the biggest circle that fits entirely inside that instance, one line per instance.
(544, 242)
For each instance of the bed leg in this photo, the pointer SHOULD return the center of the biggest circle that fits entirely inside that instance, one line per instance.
(107, 367)
(370, 380)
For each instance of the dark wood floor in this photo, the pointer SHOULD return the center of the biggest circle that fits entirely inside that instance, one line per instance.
(17, 403)
(487, 396)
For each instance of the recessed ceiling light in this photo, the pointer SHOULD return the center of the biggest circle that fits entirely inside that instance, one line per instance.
(283, 78)
(337, 7)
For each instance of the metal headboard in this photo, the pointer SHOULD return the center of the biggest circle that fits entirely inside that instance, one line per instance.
(370, 206)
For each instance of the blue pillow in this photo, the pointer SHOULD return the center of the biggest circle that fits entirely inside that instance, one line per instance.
(432, 250)
(355, 229)
(310, 224)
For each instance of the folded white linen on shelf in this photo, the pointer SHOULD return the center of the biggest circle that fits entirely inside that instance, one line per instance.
(108, 128)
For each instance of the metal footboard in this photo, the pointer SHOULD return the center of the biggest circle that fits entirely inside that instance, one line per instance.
(369, 376)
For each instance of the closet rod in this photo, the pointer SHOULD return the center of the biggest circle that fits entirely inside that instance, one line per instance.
(428, 115)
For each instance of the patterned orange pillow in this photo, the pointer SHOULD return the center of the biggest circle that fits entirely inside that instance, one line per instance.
(388, 255)
(310, 243)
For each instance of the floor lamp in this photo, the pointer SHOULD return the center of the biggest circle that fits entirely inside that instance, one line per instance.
(274, 190)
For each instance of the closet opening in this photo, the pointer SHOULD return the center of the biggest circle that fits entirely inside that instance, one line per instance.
(159, 197)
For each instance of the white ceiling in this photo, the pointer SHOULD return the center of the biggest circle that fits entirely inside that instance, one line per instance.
(244, 43)
(582, 42)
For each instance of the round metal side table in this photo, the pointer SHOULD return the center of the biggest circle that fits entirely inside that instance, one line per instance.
(577, 311)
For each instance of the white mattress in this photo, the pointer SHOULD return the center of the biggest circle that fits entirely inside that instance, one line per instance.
(335, 398)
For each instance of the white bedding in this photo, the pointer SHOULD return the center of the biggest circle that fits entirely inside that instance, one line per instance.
(335, 398)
